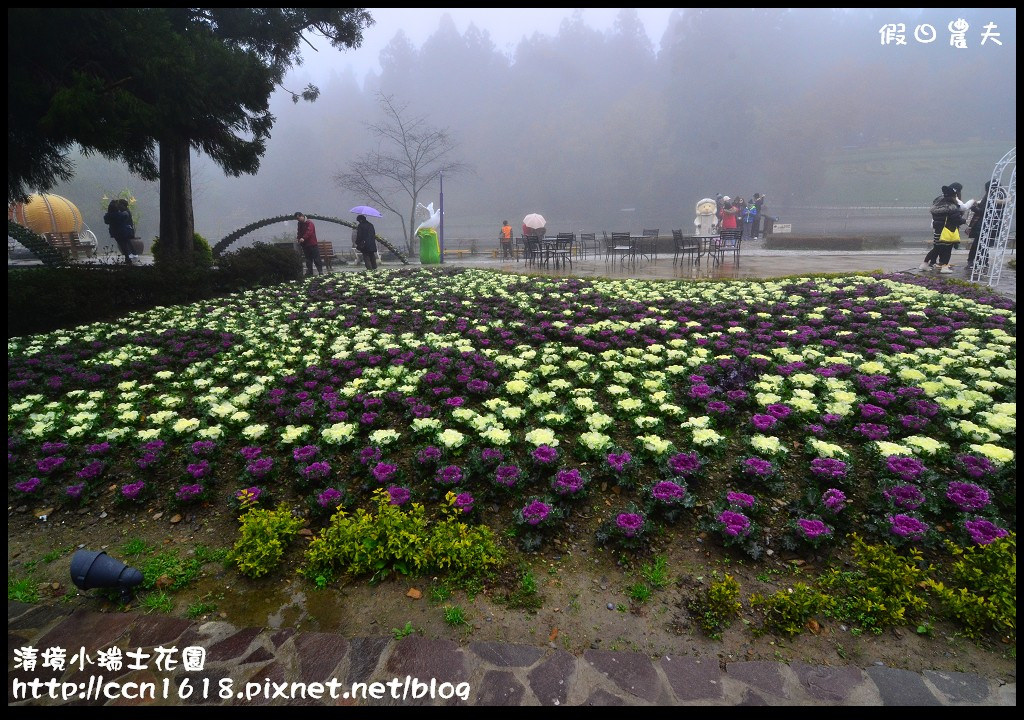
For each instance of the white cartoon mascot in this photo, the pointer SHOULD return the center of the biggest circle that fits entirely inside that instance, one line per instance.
(706, 223)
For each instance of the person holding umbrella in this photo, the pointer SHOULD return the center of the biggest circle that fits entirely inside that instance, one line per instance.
(366, 241)
(306, 236)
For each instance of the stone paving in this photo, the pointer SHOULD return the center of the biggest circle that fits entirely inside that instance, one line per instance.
(261, 666)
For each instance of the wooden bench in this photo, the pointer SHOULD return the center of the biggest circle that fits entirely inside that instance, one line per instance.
(459, 253)
(327, 253)
(70, 245)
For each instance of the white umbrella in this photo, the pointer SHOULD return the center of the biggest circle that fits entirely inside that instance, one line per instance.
(534, 222)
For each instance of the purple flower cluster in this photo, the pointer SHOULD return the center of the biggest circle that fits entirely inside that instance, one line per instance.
(975, 466)
(872, 431)
(91, 471)
(203, 448)
(828, 468)
(98, 449)
(490, 456)
(967, 496)
(384, 472)
(199, 470)
(252, 494)
(779, 411)
(317, 470)
(619, 461)
(50, 464)
(536, 512)
(984, 531)
(762, 422)
(188, 493)
(52, 448)
(718, 407)
(907, 526)
(507, 475)
(251, 452)
(567, 482)
(329, 498)
(131, 491)
(833, 499)
(74, 492)
(684, 463)
(629, 523)
(370, 455)
(28, 486)
(668, 492)
(813, 529)
(758, 468)
(260, 467)
(398, 495)
(464, 502)
(906, 497)
(428, 455)
(545, 455)
(449, 475)
(305, 453)
(905, 468)
(734, 524)
(740, 500)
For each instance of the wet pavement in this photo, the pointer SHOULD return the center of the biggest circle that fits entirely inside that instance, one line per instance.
(257, 666)
(262, 666)
(753, 262)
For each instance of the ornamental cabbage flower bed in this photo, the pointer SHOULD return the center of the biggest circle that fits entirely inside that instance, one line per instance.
(771, 416)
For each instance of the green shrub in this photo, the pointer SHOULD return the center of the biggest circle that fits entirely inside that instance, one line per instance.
(43, 299)
(261, 264)
(202, 255)
(264, 535)
(715, 606)
(787, 611)
(981, 588)
(882, 590)
(393, 540)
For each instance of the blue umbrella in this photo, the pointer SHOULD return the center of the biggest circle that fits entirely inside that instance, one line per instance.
(366, 210)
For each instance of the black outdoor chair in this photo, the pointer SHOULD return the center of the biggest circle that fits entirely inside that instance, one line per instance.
(588, 243)
(685, 247)
(650, 243)
(622, 246)
(563, 248)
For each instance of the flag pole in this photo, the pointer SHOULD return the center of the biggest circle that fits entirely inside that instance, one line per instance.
(441, 236)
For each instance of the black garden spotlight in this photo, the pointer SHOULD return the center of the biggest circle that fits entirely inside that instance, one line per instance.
(95, 569)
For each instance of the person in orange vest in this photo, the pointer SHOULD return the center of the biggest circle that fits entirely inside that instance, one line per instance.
(506, 240)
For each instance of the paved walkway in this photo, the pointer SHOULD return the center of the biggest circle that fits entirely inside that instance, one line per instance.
(260, 666)
(754, 262)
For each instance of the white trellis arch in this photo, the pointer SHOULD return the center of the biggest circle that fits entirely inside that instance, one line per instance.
(996, 223)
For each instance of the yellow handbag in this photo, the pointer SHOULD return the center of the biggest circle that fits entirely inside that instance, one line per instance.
(950, 236)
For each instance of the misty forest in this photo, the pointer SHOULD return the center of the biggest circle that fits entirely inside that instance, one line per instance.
(608, 131)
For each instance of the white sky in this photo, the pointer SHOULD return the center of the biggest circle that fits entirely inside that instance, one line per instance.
(506, 26)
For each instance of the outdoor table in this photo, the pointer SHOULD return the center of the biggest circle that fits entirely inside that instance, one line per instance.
(707, 244)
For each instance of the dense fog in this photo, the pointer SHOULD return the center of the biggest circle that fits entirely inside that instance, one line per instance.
(609, 131)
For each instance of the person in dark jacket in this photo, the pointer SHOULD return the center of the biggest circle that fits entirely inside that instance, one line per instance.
(306, 237)
(366, 241)
(946, 214)
(119, 221)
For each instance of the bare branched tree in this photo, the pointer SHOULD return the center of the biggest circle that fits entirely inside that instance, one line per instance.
(410, 156)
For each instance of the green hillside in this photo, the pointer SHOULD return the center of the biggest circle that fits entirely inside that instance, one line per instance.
(911, 175)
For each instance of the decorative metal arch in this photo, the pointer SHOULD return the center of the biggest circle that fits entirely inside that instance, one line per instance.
(995, 224)
(226, 242)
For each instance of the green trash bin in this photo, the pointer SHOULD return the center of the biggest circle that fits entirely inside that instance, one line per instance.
(430, 246)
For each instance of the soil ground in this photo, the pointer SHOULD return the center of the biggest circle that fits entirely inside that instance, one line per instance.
(583, 596)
